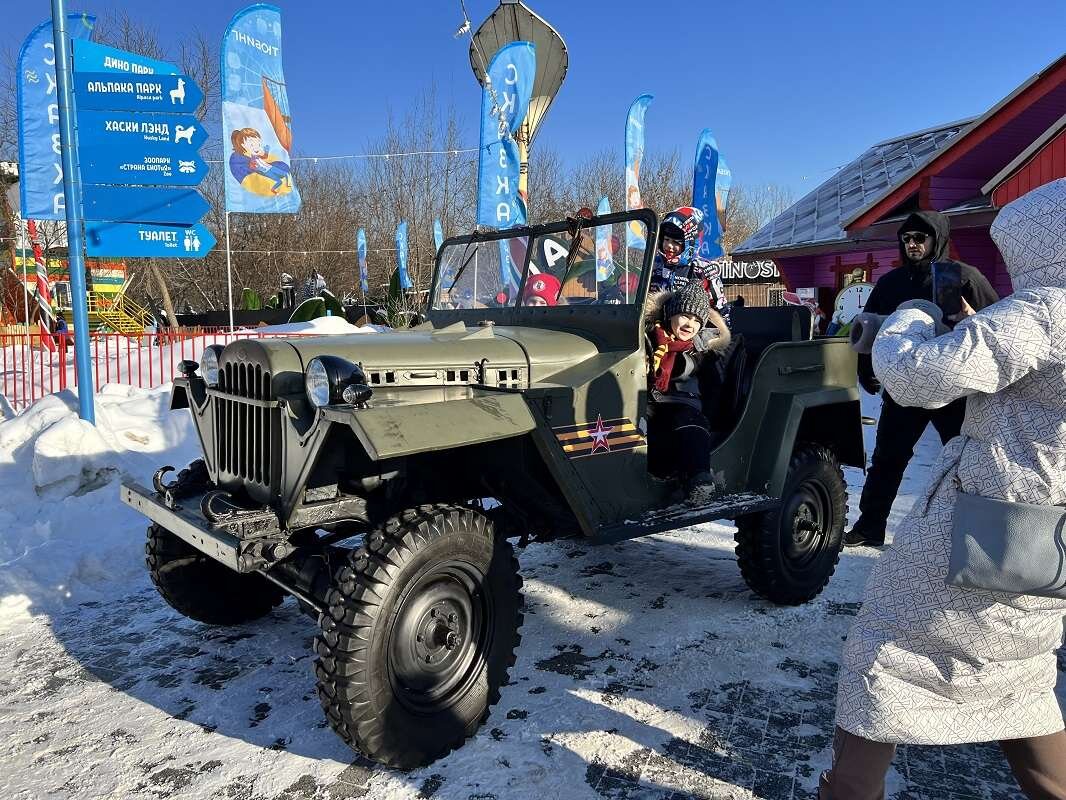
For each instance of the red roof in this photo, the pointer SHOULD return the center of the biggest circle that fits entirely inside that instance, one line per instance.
(990, 143)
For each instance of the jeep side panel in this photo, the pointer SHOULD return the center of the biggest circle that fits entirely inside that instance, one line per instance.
(789, 379)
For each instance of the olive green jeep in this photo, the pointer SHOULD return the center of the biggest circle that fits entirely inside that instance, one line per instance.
(380, 478)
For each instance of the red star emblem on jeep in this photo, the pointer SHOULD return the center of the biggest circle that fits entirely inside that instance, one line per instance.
(599, 436)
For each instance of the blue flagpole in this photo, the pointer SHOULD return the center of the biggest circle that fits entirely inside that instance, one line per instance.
(72, 201)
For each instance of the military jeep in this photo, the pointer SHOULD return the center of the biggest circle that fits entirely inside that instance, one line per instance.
(380, 478)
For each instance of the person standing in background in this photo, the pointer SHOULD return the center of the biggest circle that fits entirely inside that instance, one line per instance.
(923, 239)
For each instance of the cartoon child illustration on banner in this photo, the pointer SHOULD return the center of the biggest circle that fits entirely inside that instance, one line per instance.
(254, 167)
(256, 118)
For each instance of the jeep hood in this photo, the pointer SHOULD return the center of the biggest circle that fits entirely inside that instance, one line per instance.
(542, 352)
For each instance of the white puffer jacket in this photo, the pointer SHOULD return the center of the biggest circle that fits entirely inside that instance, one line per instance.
(931, 664)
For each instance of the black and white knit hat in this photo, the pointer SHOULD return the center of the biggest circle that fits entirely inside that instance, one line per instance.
(692, 300)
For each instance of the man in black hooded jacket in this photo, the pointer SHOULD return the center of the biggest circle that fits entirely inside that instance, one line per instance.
(923, 239)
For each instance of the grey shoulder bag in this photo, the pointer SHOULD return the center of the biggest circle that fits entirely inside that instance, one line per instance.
(1015, 548)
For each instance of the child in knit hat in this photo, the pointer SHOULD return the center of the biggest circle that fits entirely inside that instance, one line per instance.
(683, 333)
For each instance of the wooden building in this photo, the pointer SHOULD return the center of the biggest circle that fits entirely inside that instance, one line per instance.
(845, 230)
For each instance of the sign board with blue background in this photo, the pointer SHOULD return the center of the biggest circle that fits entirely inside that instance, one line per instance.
(93, 57)
(141, 240)
(110, 91)
(122, 146)
(158, 204)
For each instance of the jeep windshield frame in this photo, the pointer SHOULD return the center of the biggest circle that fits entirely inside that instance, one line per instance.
(610, 326)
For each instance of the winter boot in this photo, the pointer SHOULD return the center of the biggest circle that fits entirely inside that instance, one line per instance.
(700, 490)
(865, 534)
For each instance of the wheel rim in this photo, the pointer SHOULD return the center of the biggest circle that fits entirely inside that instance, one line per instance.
(808, 522)
(439, 638)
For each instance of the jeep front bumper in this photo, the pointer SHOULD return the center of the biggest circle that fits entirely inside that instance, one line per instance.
(184, 520)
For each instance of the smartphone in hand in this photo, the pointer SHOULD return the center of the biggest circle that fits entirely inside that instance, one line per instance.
(947, 286)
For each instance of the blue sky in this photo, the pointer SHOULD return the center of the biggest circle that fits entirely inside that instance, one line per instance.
(791, 89)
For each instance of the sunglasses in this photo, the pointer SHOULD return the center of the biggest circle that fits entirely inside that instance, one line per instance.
(917, 238)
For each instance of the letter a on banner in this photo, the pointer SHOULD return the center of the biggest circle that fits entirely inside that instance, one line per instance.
(504, 103)
(256, 120)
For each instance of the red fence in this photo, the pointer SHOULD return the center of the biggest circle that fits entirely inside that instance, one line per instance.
(30, 369)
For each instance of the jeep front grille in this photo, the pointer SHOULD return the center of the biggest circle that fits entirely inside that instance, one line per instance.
(246, 425)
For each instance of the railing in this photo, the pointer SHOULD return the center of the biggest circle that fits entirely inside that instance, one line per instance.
(30, 369)
(119, 312)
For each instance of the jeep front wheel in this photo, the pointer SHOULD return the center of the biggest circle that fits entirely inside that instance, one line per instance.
(201, 588)
(789, 554)
(418, 634)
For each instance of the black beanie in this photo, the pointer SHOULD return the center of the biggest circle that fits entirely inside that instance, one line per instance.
(691, 299)
(916, 223)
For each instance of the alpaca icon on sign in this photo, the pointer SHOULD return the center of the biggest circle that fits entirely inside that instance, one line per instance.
(181, 132)
(177, 96)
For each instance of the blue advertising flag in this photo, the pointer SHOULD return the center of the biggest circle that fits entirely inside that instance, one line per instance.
(438, 234)
(360, 249)
(504, 103)
(604, 256)
(704, 175)
(509, 271)
(40, 162)
(722, 186)
(256, 120)
(634, 156)
(401, 256)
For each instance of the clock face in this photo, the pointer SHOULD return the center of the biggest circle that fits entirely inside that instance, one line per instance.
(851, 301)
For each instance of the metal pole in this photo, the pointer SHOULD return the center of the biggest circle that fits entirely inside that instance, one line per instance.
(229, 275)
(25, 291)
(72, 200)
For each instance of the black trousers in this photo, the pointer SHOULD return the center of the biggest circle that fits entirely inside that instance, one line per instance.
(679, 440)
(898, 431)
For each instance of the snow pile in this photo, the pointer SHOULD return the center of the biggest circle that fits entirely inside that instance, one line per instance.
(63, 532)
(320, 326)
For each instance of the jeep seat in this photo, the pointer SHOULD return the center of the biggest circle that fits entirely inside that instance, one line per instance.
(754, 329)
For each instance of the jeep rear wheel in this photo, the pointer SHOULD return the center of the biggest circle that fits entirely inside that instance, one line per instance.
(201, 588)
(418, 634)
(789, 554)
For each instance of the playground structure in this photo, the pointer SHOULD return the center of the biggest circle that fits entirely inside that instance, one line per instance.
(110, 307)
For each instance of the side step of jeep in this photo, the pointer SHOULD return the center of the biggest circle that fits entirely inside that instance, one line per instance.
(670, 518)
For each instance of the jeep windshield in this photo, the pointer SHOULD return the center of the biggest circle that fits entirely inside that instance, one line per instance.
(583, 264)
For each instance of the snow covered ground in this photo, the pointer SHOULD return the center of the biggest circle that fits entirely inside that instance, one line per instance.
(647, 669)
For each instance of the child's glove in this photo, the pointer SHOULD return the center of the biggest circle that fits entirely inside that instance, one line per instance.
(863, 331)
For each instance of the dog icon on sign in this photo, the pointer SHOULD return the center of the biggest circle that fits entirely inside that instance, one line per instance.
(182, 132)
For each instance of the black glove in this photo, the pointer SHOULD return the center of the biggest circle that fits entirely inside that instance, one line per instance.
(867, 379)
(870, 384)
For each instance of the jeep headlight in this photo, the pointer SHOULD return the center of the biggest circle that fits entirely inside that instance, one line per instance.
(329, 380)
(209, 364)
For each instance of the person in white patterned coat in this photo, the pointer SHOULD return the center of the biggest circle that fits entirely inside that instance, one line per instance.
(928, 663)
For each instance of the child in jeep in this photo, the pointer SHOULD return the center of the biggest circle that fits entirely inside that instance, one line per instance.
(684, 334)
(678, 261)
